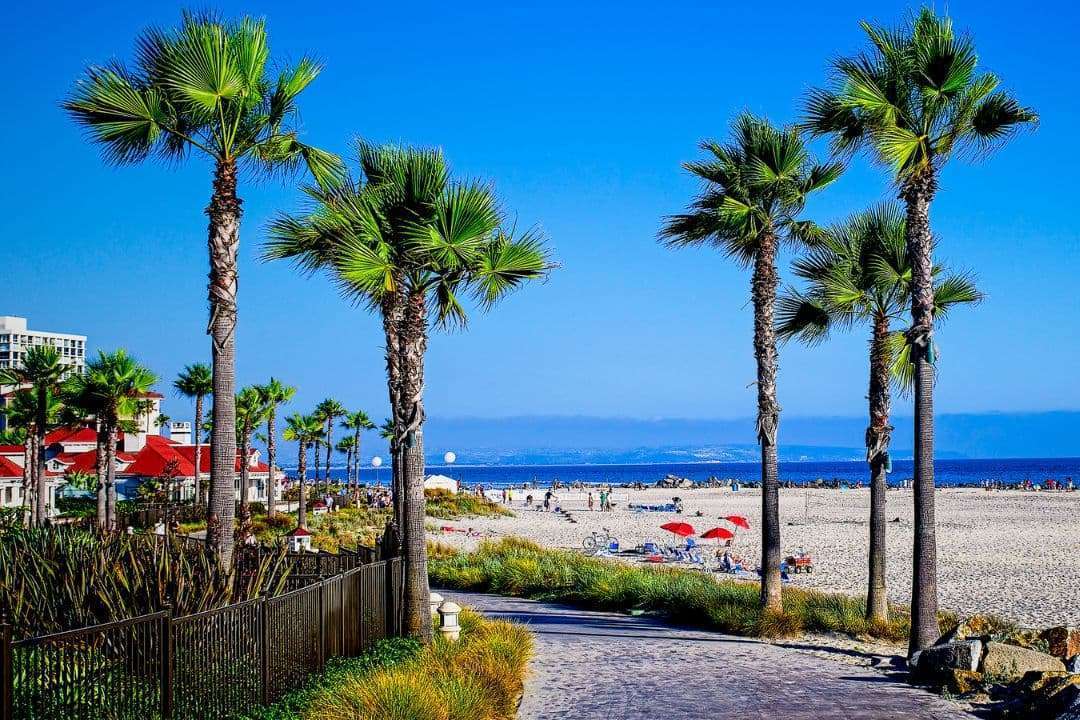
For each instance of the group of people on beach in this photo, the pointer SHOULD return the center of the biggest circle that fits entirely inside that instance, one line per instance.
(1050, 484)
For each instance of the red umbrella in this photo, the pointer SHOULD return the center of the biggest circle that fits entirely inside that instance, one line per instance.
(738, 521)
(717, 533)
(678, 528)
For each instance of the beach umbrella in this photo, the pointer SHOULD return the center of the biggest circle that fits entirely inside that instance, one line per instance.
(738, 521)
(678, 528)
(718, 534)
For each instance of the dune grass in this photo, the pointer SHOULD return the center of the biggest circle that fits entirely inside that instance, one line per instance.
(450, 506)
(523, 569)
(480, 677)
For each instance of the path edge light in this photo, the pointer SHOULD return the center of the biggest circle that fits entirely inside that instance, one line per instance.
(449, 627)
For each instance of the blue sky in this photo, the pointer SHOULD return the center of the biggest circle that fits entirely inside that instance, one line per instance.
(580, 116)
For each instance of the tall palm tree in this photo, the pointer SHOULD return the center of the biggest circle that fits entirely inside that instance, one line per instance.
(913, 100)
(358, 422)
(862, 274)
(22, 417)
(274, 393)
(346, 446)
(409, 243)
(303, 430)
(110, 387)
(329, 410)
(251, 410)
(206, 88)
(196, 382)
(754, 190)
(42, 368)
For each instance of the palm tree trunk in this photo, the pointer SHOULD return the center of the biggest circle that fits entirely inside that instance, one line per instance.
(110, 479)
(245, 474)
(41, 482)
(356, 458)
(764, 294)
(301, 471)
(102, 492)
(223, 244)
(329, 448)
(878, 434)
(416, 610)
(392, 314)
(271, 456)
(200, 491)
(917, 195)
(29, 504)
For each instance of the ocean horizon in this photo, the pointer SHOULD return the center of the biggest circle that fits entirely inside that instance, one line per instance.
(948, 472)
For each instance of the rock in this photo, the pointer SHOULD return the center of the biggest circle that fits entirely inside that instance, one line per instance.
(1051, 695)
(963, 682)
(1023, 638)
(1062, 641)
(976, 626)
(934, 665)
(1073, 665)
(1002, 662)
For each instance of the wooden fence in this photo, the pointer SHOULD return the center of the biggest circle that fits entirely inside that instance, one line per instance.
(213, 664)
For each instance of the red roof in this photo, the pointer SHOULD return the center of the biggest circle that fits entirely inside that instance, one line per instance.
(11, 449)
(297, 532)
(150, 394)
(71, 435)
(9, 469)
(188, 452)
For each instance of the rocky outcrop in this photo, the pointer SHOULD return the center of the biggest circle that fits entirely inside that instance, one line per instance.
(674, 481)
(1062, 641)
(1047, 695)
(934, 665)
(1004, 663)
(964, 682)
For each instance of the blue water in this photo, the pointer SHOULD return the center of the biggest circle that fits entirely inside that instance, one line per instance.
(947, 472)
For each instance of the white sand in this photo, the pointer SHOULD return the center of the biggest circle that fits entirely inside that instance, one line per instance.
(1010, 553)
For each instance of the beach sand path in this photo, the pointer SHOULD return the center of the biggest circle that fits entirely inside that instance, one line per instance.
(607, 666)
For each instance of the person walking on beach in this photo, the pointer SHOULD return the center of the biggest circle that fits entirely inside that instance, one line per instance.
(590, 501)
(603, 500)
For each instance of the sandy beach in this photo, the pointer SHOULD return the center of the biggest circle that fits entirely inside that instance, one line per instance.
(1012, 553)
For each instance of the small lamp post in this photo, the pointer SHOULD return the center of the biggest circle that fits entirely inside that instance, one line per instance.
(436, 600)
(376, 462)
(450, 458)
(449, 627)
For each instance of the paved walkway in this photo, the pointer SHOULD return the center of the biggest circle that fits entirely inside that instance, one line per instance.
(606, 666)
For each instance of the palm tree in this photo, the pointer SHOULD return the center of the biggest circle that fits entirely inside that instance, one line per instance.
(251, 410)
(42, 369)
(303, 430)
(109, 388)
(205, 87)
(914, 100)
(329, 410)
(195, 382)
(409, 243)
(22, 417)
(754, 190)
(357, 422)
(274, 393)
(862, 274)
(346, 446)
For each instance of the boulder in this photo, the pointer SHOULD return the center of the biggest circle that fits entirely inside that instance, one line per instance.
(934, 665)
(1002, 662)
(1051, 695)
(963, 682)
(976, 626)
(1073, 665)
(1062, 641)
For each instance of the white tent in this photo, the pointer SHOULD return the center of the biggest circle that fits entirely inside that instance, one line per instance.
(440, 482)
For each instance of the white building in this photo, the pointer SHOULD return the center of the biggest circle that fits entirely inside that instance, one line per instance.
(16, 339)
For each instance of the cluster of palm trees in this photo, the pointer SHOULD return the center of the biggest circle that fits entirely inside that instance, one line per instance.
(108, 394)
(912, 100)
(400, 238)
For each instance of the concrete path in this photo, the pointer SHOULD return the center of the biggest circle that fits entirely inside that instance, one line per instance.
(606, 666)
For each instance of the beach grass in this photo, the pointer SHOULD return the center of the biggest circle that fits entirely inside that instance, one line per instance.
(521, 568)
(446, 505)
(479, 677)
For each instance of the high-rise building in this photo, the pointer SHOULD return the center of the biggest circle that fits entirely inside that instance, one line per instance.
(16, 338)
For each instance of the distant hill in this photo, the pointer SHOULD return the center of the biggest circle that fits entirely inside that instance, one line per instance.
(557, 440)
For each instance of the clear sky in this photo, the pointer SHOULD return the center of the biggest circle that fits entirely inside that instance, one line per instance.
(580, 113)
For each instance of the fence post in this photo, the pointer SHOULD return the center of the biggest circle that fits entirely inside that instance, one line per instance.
(166, 664)
(264, 650)
(390, 588)
(322, 625)
(7, 677)
(341, 614)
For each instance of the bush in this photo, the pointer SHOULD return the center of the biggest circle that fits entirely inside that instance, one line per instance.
(446, 505)
(522, 568)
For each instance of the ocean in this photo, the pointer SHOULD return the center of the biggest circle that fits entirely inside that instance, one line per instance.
(948, 473)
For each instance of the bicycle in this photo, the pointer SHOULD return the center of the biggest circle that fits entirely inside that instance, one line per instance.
(600, 540)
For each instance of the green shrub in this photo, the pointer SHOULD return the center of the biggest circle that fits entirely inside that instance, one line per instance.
(446, 505)
(522, 568)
